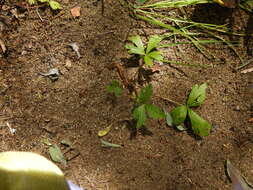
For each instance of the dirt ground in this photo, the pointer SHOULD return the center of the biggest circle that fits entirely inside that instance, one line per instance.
(77, 105)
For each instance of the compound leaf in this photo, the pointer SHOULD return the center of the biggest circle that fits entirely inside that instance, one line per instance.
(199, 126)
(145, 95)
(154, 111)
(139, 114)
(179, 114)
(115, 88)
(197, 95)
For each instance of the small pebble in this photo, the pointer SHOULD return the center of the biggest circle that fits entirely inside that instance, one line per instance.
(237, 108)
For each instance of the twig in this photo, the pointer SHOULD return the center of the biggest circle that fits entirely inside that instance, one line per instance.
(39, 15)
(169, 100)
(2, 45)
(245, 64)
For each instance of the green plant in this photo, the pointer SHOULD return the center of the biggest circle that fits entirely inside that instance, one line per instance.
(149, 53)
(115, 88)
(179, 114)
(143, 108)
(53, 4)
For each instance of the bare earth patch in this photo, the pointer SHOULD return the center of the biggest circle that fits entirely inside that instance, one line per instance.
(77, 106)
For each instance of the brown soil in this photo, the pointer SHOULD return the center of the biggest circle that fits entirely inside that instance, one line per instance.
(77, 105)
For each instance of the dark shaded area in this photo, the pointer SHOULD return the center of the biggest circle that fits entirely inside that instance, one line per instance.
(248, 41)
(213, 14)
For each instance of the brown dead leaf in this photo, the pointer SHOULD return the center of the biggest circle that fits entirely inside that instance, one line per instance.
(75, 12)
(251, 120)
(155, 68)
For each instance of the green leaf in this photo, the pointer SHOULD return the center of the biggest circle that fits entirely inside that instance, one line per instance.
(148, 61)
(168, 118)
(54, 5)
(132, 49)
(156, 55)
(141, 1)
(153, 42)
(154, 111)
(145, 95)
(137, 41)
(43, 1)
(31, 2)
(139, 114)
(179, 114)
(181, 127)
(56, 154)
(197, 95)
(247, 4)
(115, 88)
(199, 126)
(107, 144)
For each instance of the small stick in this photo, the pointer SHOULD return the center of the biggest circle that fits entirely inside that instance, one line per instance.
(245, 64)
(169, 100)
(39, 15)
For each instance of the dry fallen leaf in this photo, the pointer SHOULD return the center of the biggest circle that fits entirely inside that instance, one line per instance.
(247, 70)
(76, 11)
(105, 131)
(155, 68)
(251, 120)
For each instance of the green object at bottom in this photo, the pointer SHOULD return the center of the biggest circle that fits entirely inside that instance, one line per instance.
(27, 180)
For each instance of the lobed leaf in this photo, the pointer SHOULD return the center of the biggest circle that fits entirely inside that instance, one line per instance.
(137, 41)
(153, 43)
(154, 111)
(132, 49)
(139, 114)
(197, 95)
(199, 126)
(145, 95)
(148, 61)
(115, 88)
(179, 114)
(156, 55)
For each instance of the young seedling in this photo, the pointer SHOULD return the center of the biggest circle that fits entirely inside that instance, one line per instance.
(179, 114)
(147, 53)
(115, 88)
(143, 108)
(53, 4)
